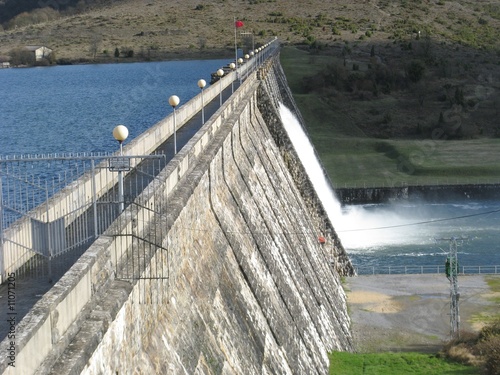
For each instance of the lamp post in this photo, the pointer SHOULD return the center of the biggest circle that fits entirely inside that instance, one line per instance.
(240, 61)
(1, 219)
(120, 133)
(250, 56)
(220, 73)
(232, 66)
(174, 102)
(201, 84)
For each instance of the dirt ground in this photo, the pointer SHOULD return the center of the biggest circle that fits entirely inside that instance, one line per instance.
(412, 312)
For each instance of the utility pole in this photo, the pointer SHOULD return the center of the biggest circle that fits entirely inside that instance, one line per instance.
(451, 270)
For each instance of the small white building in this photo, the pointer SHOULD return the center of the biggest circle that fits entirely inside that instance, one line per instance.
(41, 52)
(4, 64)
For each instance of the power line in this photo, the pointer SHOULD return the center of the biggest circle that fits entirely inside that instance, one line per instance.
(420, 222)
(314, 232)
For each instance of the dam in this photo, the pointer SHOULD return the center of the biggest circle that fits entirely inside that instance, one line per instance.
(225, 263)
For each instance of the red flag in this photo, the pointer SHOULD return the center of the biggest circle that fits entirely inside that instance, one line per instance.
(238, 24)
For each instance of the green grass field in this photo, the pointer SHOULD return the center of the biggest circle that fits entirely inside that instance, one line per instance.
(395, 364)
(353, 159)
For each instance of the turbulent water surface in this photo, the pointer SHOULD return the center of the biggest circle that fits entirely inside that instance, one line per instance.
(404, 234)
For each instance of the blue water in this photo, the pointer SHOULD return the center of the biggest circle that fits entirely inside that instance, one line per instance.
(419, 233)
(75, 108)
(407, 233)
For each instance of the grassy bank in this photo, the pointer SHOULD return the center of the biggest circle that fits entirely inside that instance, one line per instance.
(395, 364)
(489, 315)
(388, 139)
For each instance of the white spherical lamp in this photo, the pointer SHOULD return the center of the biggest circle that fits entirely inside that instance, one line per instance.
(202, 83)
(120, 133)
(174, 101)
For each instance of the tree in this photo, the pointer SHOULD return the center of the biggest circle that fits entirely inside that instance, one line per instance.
(117, 52)
(22, 56)
(420, 90)
(441, 118)
(95, 44)
(415, 71)
(346, 51)
(459, 96)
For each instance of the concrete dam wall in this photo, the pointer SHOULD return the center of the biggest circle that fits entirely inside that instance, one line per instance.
(250, 289)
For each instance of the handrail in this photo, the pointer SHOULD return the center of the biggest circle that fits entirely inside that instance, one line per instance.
(425, 269)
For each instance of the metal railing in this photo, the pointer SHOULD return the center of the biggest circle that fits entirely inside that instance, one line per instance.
(56, 206)
(425, 269)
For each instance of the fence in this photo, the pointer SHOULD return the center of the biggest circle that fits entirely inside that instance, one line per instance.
(53, 207)
(34, 229)
(426, 269)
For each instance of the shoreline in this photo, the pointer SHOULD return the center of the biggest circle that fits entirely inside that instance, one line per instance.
(429, 193)
(174, 55)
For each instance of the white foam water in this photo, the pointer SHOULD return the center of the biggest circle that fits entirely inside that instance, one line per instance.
(373, 228)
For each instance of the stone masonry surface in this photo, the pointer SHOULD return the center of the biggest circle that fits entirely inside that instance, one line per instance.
(250, 288)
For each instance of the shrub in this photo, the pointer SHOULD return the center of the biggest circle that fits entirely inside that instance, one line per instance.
(387, 118)
(415, 71)
(459, 96)
(477, 349)
(22, 56)
(42, 62)
(490, 350)
(490, 330)
(461, 354)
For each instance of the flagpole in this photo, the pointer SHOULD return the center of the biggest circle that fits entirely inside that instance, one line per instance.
(235, 46)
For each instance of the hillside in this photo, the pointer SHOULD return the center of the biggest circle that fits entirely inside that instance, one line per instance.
(151, 28)
(380, 83)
